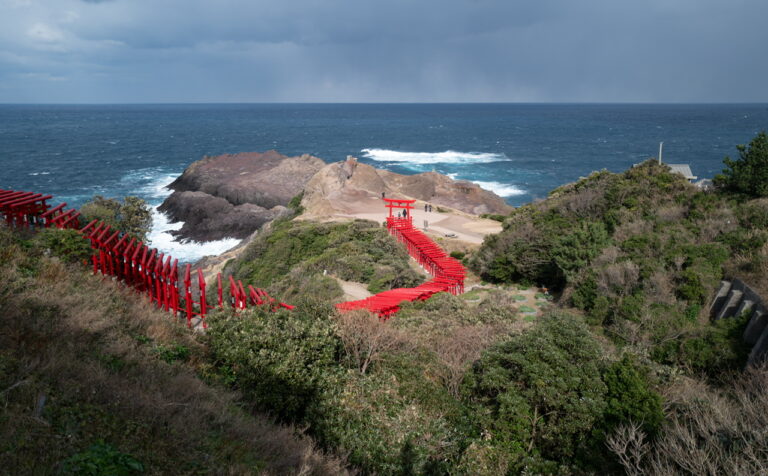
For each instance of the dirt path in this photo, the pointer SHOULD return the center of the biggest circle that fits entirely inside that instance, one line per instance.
(353, 291)
(463, 226)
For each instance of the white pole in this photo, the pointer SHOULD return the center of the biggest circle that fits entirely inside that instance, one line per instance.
(661, 145)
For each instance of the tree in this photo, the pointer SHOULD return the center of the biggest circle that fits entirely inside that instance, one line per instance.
(748, 174)
(132, 216)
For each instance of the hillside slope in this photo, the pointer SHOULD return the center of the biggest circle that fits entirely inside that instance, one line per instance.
(641, 253)
(93, 378)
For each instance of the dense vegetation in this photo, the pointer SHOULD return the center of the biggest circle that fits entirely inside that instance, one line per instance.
(641, 253)
(748, 174)
(542, 400)
(296, 258)
(131, 216)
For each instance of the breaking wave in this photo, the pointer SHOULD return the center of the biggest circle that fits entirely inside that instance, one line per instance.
(151, 185)
(427, 158)
(501, 189)
(186, 252)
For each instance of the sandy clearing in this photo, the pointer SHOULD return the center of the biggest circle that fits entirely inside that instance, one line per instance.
(468, 228)
(353, 291)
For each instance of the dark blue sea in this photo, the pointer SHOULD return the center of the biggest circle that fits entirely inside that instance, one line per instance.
(520, 151)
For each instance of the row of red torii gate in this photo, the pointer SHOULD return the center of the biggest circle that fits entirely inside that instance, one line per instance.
(158, 275)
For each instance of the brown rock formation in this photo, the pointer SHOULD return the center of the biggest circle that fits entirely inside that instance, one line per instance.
(345, 182)
(233, 195)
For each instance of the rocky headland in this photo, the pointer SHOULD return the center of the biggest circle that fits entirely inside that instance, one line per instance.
(234, 195)
(337, 187)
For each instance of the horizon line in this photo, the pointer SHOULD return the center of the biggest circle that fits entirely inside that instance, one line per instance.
(352, 103)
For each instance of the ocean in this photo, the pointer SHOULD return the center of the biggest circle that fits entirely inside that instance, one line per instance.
(520, 151)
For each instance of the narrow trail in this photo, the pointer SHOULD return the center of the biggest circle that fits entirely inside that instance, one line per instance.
(159, 277)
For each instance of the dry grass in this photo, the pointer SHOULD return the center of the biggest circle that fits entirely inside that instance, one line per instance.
(709, 432)
(84, 359)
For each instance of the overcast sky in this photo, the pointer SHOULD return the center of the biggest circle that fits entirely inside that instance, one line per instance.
(127, 51)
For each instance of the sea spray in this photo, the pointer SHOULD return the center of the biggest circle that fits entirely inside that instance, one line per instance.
(161, 238)
(500, 189)
(152, 186)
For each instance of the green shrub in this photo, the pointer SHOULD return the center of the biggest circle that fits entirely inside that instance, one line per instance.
(748, 174)
(69, 245)
(493, 216)
(132, 216)
(576, 250)
(711, 349)
(282, 359)
(101, 459)
(458, 254)
(295, 203)
(630, 398)
(541, 390)
(357, 251)
(172, 353)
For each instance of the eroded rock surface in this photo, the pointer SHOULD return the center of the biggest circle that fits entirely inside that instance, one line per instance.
(341, 184)
(233, 195)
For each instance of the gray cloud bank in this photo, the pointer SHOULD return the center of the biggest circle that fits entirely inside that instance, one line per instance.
(82, 51)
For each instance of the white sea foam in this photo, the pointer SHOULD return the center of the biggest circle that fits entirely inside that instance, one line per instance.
(161, 238)
(151, 184)
(500, 189)
(427, 158)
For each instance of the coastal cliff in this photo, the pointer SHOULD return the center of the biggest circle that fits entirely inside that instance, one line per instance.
(233, 195)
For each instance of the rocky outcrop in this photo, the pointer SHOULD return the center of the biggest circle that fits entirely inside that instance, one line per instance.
(233, 195)
(340, 184)
(208, 218)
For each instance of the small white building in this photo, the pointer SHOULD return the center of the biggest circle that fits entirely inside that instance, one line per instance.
(684, 170)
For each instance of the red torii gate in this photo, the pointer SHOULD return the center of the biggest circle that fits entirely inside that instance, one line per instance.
(448, 272)
(405, 205)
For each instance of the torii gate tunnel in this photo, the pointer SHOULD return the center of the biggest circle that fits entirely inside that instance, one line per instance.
(448, 272)
(119, 255)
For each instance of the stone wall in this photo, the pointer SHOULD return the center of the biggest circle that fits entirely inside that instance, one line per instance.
(734, 298)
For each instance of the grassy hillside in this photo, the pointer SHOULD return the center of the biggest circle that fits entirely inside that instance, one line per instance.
(641, 254)
(291, 259)
(93, 380)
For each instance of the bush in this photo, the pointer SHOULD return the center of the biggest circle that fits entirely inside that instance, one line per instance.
(710, 350)
(281, 359)
(101, 458)
(69, 245)
(357, 251)
(132, 216)
(630, 398)
(541, 392)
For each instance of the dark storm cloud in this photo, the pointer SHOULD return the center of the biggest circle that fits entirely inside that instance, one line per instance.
(396, 50)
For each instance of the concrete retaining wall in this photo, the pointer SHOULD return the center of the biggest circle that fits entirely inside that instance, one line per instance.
(734, 298)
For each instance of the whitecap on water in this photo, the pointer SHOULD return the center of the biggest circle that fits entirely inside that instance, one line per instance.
(151, 185)
(500, 189)
(426, 158)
